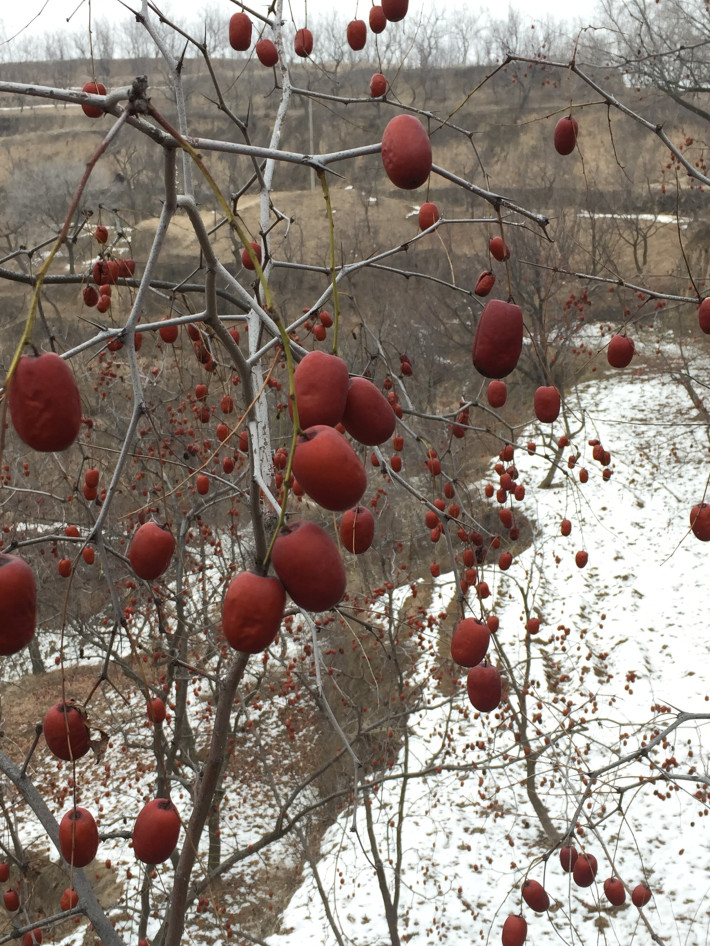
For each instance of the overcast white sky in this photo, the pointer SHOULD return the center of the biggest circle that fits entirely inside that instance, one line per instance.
(53, 14)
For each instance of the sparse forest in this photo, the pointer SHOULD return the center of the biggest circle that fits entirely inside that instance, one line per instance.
(353, 477)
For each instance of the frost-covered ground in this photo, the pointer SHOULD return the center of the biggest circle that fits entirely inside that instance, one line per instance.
(644, 598)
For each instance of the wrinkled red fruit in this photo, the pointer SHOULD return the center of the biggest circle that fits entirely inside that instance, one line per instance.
(69, 899)
(498, 340)
(700, 521)
(95, 88)
(566, 135)
(240, 32)
(640, 895)
(368, 416)
(395, 10)
(252, 610)
(45, 405)
(266, 52)
(484, 687)
(584, 870)
(406, 152)
(498, 249)
(620, 351)
(151, 550)
(485, 282)
(321, 385)
(328, 469)
(357, 529)
(704, 316)
(469, 642)
(535, 895)
(303, 43)
(247, 261)
(18, 604)
(65, 731)
(428, 215)
(377, 18)
(378, 85)
(547, 404)
(308, 563)
(156, 831)
(614, 891)
(356, 34)
(78, 837)
(515, 929)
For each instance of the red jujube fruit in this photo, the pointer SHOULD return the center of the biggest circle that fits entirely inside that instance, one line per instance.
(78, 837)
(252, 610)
(95, 88)
(614, 891)
(547, 404)
(535, 895)
(368, 416)
(640, 895)
(151, 550)
(515, 929)
(240, 32)
(328, 469)
(620, 351)
(45, 406)
(377, 18)
(469, 642)
(309, 565)
(497, 393)
(428, 215)
(357, 529)
(704, 316)
(378, 85)
(156, 831)
(65, 731)
(266, 52)
(395, 10)
(406, 152)
(565, 136)
(485, 687)
(356, 34)
(498, 340)
(485, 282)
(18, 604)
(584, 870)
(303, 43)
(321, 386)
(700, 521)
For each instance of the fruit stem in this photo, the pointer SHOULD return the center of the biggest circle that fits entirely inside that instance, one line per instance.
(334, 281)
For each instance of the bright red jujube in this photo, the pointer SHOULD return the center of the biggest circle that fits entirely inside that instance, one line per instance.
(485, 687)
(357, 529)
(240, 32)
(308, 563)
(406, 152)
(700, 521)
(78, 837)
(368, 416)
(151, 550)
(547, 404)
(18, 604)
(65, 731)
(515, 929)
(565, 136)
(395, 10)
(469, 642)
(704, 316)
(356, 34)
(252, 610)
(156, 831)
(321, 385)
(620, 351)
(303, 43)
(498, 340)
(266, 52)
(45, 405)
(328, 469)
(535, 895)
(377, 18)
(95, 88)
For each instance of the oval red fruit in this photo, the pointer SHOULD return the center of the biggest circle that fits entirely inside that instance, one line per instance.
(581, 558)
(395, 10)
(565, 137)
(515, 929)
(584, 870)
(308, 563)
(303, 43)
(565, 527)
(640, 895)
(18, 604)
(498, 340)
(321, 385)
(535, 895)
(45, 405)
(328, 468)
(78, 837)
(485, 282)
(568, 858)
(11, 900)
(700, 521)
(357, 530)
(620, 351)
(156, 831)
(377, 18)
(498, 249)
(69, 899)
(357, 34)
(485, 687)
(614, 891)
(240, 32)
(704, 316)
(497, 393)
(547, 404)
(368, 416)
(4, 872)
(101, 234)
(406, 152)
(95, 88)
(378, 85)
(65, 731)
(247, 261)
(32, 937)
(266, 52)
(428, 215)
(252, 610)
(151, 550)
(169, 333)
(469, 642)
(156, 710)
